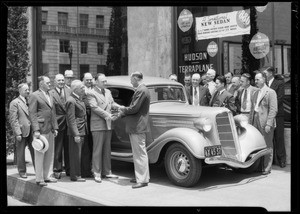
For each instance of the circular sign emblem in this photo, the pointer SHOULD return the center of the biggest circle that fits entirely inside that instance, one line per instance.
(259, 45)
(185, 20)
(243, 19)
(212, 49)
(260, 8)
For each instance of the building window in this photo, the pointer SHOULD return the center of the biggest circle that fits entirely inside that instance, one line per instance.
(62, 18)
(64, 46)
(84, 18)
(63, 68)
(84, 69)
(99, 21)
(43, 44)
(84, 47)
(100, 48)
(44, 17)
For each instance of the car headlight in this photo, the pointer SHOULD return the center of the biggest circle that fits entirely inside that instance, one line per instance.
(204, 124)
(241, 120)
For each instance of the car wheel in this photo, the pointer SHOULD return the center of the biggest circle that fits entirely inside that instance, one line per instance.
(182, 168)
(254, 167)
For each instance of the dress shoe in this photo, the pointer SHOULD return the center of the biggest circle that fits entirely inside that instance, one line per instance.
(41, 183)
(110, 176)
(23, 175)
(78, 179)
(282, 164)
(139, 185)
(266, 172)
(133, 180)
(98, 178)
(57, 175)
(51, 180)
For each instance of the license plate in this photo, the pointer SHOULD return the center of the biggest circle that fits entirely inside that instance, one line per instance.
(210, 151)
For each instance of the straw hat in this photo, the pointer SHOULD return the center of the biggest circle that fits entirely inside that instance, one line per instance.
(40, 144)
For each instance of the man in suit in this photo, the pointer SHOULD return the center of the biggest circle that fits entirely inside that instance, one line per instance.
(277, 84)
(87, 148)
(61, 144)
(20, 124)
(228, 77)
(222, 98)
(188, 86)
(262, 116)
(136, 126)
(101, 103)
(243, 98)
(69, 76)
(77, 128)
(43, 122)
(199, 95)
(235, 86)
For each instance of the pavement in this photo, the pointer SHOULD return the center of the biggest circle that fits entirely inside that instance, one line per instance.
(217, 187)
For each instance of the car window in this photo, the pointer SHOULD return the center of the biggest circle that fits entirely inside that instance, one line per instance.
(122, 96)
(166, 93)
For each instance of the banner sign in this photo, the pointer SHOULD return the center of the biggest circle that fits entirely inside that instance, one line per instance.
(223, 25)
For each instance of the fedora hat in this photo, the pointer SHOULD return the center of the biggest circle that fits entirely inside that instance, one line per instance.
(40, 144)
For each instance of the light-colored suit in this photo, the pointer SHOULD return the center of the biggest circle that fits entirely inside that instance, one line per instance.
(136, 125)
(101, 126)
(43, 119)
(20, 124)
(265, 115)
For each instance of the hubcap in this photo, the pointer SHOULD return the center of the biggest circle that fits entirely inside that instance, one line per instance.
(179, 165)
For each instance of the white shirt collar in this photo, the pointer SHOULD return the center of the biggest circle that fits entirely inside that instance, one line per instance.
(222, 90)
(23, 98)
(75, 95)
(270, 81)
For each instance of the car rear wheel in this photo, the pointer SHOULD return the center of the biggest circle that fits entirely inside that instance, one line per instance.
(182, 168)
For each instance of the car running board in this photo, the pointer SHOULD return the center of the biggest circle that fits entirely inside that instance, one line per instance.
(121, 154)
(235, 163)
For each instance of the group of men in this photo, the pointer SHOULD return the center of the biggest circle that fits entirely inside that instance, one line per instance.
(74, 121)
(263, 104)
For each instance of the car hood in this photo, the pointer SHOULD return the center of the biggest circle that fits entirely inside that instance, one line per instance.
(183, 109)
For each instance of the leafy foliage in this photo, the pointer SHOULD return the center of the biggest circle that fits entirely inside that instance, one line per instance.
(249, 63)
(17, 66)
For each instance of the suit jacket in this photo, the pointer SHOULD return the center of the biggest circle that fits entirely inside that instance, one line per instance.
(19, 117)
(138, 111)
(204, 96)
(100, 109)
(238, 98)
(60, 108)
(188, 93)
(224, 100)
(278, 86)
(42, 114)
(232, 90)
(267, 107)
(76, 116)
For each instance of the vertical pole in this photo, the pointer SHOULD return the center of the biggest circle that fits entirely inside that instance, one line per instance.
(78, 70)
(273, 36)
(174, 37)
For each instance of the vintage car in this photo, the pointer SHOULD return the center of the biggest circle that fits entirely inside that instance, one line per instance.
(186, 137)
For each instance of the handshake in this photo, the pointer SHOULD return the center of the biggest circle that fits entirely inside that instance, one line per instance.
(116, 113)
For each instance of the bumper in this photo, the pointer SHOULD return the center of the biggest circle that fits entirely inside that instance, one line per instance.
(235, 163)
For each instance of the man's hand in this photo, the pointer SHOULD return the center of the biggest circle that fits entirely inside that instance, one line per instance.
(122, 108)
(55, 133)
(19, 138)
(77, 139)
(267, 128)
(36, 134)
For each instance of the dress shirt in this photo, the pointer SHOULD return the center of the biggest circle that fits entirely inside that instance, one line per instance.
(258, 97)
(46, 94)
(270, 82)
(196, 93)
(248, 101)
(23, 99)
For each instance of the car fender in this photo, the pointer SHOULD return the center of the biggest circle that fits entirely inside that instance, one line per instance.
(190, 138)
(250, 140)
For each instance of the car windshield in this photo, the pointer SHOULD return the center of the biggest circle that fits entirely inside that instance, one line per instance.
(166, 93)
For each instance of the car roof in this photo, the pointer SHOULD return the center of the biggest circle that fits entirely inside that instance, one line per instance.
(124, 81)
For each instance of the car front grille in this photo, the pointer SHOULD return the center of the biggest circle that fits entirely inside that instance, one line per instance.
(226, 131)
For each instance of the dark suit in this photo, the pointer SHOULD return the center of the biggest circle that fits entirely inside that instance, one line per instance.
(188, 93)
(136, 126)
(203, 96)
(238, 98)
(225, 99)
(264, 115)
(20, 124)
(61, 140)
(77, 126)
(279, 146)
(43, 119)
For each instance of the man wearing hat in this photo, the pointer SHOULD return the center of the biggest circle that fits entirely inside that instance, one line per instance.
(20, 124)
(69, 76)
(61, 146)
(43, 122)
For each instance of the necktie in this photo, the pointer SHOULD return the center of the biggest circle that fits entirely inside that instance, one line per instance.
(103, 91)
(244, 99)
(61, 93)
(196, 98)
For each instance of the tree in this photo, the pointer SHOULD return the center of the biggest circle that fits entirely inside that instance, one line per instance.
(249, 63)
(17, 64)
(113, 61)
